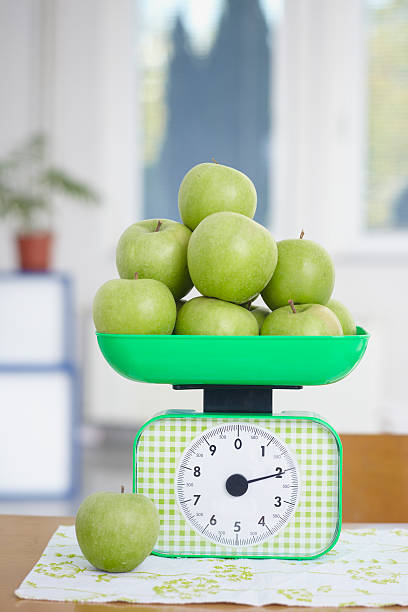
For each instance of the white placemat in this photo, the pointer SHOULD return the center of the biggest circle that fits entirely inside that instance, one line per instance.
(367, 567)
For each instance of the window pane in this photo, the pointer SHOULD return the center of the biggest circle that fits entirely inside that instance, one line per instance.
(387, 186)
(206, 87)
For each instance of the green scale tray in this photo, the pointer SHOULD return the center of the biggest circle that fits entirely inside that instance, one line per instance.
(234, 360)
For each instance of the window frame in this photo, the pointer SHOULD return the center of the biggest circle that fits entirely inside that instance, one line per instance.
(321, 98)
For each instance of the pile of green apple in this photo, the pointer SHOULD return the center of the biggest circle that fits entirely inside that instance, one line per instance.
(230, 259)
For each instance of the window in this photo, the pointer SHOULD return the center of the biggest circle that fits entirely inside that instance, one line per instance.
(387, 129)
(207, 84)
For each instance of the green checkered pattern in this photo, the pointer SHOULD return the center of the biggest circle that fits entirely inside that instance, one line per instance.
(316, 522)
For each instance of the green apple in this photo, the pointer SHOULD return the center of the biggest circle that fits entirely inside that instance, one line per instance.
(344, 316)
(212, 317)
(305, 274)
(302, 320)
(179, 304)
(116, 531)
(142, 306)
(231, 257)
(260, 313)
(156, 249)
(209, 188)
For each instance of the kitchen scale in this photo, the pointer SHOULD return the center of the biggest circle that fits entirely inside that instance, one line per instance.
(238, 480)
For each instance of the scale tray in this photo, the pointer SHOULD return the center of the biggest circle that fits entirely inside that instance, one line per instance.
(234, 360)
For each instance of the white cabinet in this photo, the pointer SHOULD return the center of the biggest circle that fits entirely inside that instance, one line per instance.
(38, 388)
(35, 446)
(35, 320)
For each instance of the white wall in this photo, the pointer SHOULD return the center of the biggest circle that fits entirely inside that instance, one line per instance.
(321, 115)
(70, 67)
(19, 110)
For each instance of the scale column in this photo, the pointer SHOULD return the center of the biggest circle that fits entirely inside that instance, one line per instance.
(237, 399)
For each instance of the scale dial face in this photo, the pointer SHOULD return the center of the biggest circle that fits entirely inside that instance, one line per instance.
(237, 484)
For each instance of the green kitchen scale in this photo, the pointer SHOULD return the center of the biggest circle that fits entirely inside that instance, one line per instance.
(237, 480)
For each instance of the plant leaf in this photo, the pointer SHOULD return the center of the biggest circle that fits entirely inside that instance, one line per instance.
(58, 180)
(33, 150)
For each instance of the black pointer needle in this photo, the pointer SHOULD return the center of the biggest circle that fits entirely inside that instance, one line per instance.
(237, 484)
(270, 476)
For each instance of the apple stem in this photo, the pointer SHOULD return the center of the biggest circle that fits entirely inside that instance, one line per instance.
(122, 489)
(214, 160)
(158, 226)
(136, 275)
(292, 306)
(302, 233)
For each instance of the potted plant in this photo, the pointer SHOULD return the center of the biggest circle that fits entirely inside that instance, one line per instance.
(27, 188)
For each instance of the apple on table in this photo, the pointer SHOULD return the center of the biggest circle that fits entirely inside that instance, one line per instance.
(116, 531)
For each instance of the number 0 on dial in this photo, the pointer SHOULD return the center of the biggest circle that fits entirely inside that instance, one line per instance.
(237, 484)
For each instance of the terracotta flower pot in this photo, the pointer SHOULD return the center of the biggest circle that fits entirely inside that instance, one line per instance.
(34, 250)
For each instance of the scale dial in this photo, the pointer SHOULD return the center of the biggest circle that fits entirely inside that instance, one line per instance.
(237, 484)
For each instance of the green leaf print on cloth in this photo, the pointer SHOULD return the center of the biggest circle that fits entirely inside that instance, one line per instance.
(367, 567)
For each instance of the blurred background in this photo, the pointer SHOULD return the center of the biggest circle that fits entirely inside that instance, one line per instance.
(104, 106)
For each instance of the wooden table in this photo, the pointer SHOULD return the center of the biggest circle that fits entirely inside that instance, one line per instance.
(23, 539)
